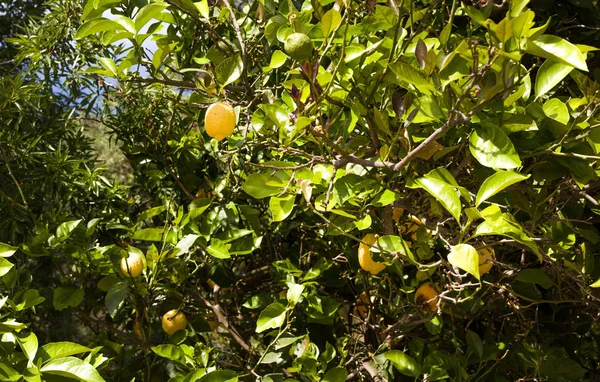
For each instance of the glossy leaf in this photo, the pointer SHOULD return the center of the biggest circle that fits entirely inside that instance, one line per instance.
(557, 49)
(404, 363)
(442, 191)
(492, 148)
(72, 367)
(496, 183)
(281, 208)
(465, 257)
(550, 74)
(272, 317)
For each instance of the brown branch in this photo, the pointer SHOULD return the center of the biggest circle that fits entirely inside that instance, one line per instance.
(216, 308)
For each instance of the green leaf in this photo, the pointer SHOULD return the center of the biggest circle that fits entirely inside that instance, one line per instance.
(203, 8)
(278, 58)
(504, 30)
(337, 374)
(496, 183)
(5, 266)
(187, 5)
(149, 234)
(65, 297)
(465, 257)
(66, 229)
(272, 317)
(9, 374)
(7, 250)
(281, 208)
(229, 70)
(115, 297)
(330, 21)
(505, 225)
(519, 122)
(393, 244)
(384, 198)
(550, 74)
(556, 49)
(152, 212)
(403, 363)
(198, 206)
(147, 13)
(60, 349)
(555, 109)
(260, 186)
(172, 352)
(72, 367)
(596, 284)
(492, 148)
(218, 249)
(402, 74)
(95, 26)
(29, 345)
(535, 276)
(220, 376)
(109, 65)
(30, 298)
(442, 191)
(474, 343)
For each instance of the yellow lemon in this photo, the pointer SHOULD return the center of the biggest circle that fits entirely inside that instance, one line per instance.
(426, 298)
(173, 321)
(364, 255)
(486, 259)
(219, 120)
(133, 265)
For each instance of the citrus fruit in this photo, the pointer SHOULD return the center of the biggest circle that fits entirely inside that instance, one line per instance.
(298, 46)
(426, 298)
(364, 255)
(486, 260)
(132, 265)
(219, 120)
(173, 321)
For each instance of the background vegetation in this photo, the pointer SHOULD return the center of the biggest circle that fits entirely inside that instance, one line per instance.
(443, 127)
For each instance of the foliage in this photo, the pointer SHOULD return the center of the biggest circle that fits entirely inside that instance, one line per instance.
(479, 122)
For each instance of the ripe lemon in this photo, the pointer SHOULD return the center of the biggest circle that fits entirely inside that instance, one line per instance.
(133, 265)
(426, 298)
(364, 255)
(298, 46)
(219, 120)
(486, 259)
(173, 321)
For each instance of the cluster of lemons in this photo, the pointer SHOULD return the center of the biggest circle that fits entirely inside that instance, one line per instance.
(427, 294)
(172, 321)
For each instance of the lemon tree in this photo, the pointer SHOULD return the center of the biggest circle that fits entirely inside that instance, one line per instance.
(301, 190)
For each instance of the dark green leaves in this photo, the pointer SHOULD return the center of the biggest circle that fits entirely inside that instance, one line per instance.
(403, 362)
(67, 297)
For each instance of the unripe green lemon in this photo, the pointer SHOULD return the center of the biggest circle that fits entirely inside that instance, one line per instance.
(298, 46)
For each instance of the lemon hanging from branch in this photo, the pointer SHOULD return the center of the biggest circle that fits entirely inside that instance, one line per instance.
(173, 321)
(364, 255)
(220, 120)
